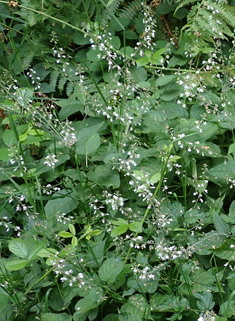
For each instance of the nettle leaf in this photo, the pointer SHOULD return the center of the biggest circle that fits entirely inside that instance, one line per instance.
(16, 265)
(18, 247)
(110, 269)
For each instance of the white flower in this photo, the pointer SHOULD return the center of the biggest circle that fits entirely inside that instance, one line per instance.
(51, 160)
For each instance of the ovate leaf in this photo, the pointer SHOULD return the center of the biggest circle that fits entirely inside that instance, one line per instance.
(110, 269)
(16, 265)
(220, 225)
(135, 227)
(119, 230)
(18, 247)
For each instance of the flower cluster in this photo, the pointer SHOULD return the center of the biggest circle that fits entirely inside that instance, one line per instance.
(51, 160)
(207, 316)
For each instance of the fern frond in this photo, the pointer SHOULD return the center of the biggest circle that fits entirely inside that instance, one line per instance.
(211, 19)
(69, 88)
(228, 14)
(62, 81)
(112, 7)
(184, 3)
(131, 9)
(54, 78)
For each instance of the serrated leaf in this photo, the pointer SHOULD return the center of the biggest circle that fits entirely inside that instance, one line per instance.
(135, 227)
(65, 234)
(18, 247)
(16, 265)
(119, 230)
(110, 269)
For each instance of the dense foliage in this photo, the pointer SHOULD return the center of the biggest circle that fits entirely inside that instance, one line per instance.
(117, 160)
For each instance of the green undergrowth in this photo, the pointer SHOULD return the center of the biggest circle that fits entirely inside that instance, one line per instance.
(117, 160)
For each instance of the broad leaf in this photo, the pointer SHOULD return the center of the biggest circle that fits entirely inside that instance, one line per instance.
(110, 269)
(18, 247)
(16, 265)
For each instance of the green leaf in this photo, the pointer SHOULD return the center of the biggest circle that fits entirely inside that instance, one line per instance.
(72, 229)
(231, 148)
(92, 144)
(65, 234)
(163, 80)
(105, 176)
(18, 247)
(155, 178)
(158, 60)
(47, 252)
(110, 269)
(96, 232)
(135, 227)
(74, 241)
(221, 173)
(63, 204)
(9, 138)
(120, 221)
(4, 154)
(227, 309)
(142, 61)
(205, 301)
(159, 52)
(16, 265)
(136, 305)
(56, 317)
(85, 305)
(119, 230)
(220, 225)
(148, 53)
(33, 251)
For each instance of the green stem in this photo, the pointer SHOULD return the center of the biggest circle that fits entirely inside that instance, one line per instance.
(163, 171)
(39, 280)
